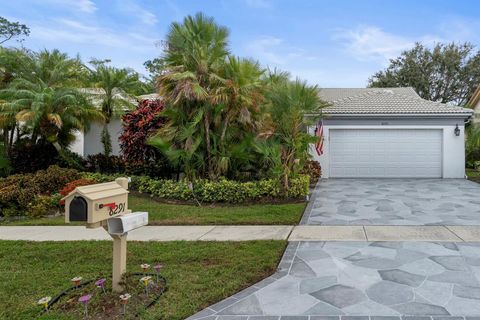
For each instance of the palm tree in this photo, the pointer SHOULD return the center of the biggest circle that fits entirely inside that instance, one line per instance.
(240, 94)
(114, 92)
(285, 124)
(195, 53)
(42, 98)
(49, 113)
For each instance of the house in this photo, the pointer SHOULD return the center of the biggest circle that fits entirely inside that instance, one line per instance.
(474, 103)
(390, 132)
(89, 142)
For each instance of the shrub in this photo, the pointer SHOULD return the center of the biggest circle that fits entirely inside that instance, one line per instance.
(69, 187)
(226, 191)
(20, 191)
(105, 164)
(26, 156)
(138, 125)
(314, 170)
(41, 206)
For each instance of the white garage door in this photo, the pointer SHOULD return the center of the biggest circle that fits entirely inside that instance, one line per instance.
(385, 153)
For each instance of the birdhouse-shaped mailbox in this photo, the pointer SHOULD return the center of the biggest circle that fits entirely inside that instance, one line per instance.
(98, 202)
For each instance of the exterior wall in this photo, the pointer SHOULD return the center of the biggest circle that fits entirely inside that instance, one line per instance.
(90, 142)
(453, 158)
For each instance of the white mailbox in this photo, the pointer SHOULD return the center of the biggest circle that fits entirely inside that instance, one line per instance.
(124, 223)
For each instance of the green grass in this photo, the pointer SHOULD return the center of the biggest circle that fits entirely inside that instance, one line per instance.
(179, 214)
(198, 273)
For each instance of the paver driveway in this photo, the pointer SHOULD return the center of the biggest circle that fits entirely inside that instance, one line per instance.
(395, 202)
(363, 279)
(333, 280)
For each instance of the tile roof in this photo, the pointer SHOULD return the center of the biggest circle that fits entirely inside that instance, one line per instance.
(400, 101)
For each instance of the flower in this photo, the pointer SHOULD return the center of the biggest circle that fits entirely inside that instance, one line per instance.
(124, 298)
(84, 299)
(158, 267)
(44, 301)
(144, 266)
(100, 282)
(145, 280)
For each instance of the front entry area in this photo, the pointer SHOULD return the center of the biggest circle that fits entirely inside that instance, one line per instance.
(385, 153)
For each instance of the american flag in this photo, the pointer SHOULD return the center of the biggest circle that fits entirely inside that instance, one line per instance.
(319, 134)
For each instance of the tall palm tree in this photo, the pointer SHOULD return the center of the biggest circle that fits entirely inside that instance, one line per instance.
(239, 94)
(114, 93)
(195, 53)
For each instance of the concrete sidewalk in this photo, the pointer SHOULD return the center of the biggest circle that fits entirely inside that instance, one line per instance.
(246, 233)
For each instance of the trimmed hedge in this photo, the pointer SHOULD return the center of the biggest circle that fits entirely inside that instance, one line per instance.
(226, 191)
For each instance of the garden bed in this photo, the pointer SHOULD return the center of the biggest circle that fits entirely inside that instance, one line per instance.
(181, 214)
(198, 273)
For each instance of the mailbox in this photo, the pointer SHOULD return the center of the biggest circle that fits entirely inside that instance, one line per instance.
(125, 223)
(97, 202)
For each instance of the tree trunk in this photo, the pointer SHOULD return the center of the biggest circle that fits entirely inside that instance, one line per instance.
(206, 123)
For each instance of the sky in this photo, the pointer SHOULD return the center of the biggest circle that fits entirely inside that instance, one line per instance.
(325, 42)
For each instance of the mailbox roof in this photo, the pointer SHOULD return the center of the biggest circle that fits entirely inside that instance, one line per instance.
(99, 191)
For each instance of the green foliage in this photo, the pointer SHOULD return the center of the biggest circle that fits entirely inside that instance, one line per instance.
(40, 206)
(223, 190)
(9, 30)
(106, 141)
(5, 167)
(446, 73)
(31, 193)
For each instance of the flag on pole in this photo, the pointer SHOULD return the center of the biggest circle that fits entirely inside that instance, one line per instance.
(319, 134)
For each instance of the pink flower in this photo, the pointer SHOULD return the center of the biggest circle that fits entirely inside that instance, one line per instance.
(100, 282)
(158, 267)
(84, 299)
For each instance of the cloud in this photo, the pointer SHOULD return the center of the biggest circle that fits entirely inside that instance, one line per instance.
(142, 14)
(372, 43)
(73, 31)
(86, 6)
(259, 3)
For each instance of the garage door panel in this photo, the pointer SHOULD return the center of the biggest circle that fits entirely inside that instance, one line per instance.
(385, 153)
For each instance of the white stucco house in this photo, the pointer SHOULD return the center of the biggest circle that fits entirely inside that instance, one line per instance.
(89, 142)
(391, 132)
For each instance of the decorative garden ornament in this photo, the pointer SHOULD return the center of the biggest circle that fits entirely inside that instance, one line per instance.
(100, 283)
(124, 300)
(145, 267)
(84, 300)
(157, 269)
(76, 281)
(44, 302)
(146, 281)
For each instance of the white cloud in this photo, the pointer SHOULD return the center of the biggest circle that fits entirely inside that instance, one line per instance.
(259, 3)
(144, 15)
(72, 31)
(86, 6)
(372, 43)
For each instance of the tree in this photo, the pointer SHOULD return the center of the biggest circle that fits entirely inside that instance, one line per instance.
(447, 73)
(43, 99)
(284, 138)
(9, 30)
(114, 89)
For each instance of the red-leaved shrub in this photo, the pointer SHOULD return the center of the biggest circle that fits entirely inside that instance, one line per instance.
(138, 126)
(69, 187)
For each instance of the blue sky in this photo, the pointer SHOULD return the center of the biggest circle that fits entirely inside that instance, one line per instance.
(329, 43)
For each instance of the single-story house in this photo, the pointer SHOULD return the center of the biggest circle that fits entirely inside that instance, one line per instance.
(390, 132)
(474, 103)
(89, 142)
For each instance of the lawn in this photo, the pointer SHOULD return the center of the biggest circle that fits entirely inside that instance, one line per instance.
(179, 214)
(198, 273)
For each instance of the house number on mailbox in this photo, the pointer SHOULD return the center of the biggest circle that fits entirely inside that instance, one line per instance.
(119, 208)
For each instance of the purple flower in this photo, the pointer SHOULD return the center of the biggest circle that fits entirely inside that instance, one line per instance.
(158, 267)
(100, 282)
(84, 299)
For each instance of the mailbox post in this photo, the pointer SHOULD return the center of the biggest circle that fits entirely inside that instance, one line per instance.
(106, 205)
